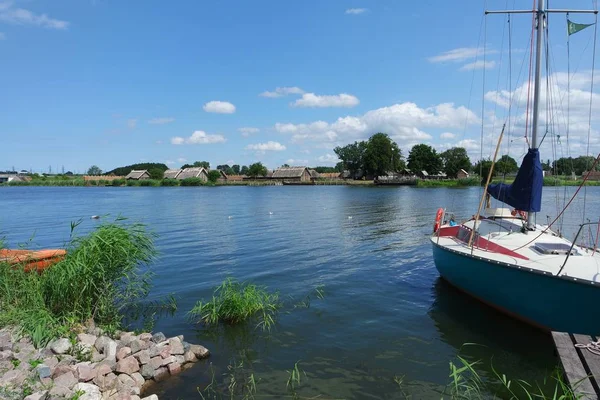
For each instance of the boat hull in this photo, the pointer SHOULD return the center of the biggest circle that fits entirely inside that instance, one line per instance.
(544, 301)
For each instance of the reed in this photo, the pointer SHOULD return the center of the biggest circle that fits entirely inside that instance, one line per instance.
(103, 276)
(191, 182)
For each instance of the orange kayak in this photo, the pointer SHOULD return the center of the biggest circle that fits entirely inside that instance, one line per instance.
(33, 259)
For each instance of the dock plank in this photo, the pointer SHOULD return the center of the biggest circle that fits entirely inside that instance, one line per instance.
(592, 360)
(575, 372)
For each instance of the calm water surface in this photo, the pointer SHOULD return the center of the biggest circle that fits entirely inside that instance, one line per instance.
(386, 313)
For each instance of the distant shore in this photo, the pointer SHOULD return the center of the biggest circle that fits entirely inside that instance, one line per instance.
(421, 183)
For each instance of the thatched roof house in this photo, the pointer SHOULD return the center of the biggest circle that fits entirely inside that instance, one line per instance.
(313, 174)
(172, 173)
(223, 177)
(196, 172)
(235, 178)
(138, 175)
(301, 174)
(330, 175)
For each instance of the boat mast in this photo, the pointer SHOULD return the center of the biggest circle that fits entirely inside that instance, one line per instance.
(541, 22)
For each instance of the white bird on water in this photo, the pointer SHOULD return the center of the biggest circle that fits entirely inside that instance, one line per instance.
(229, 217)
(95, 217)
(270, 212)
(350, 217)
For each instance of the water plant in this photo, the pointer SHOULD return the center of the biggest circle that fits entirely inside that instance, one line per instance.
(234, 302)
(103, 277)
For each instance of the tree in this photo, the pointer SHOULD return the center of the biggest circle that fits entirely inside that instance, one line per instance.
(257, 169)
(213, 175)
(94, 170)
(236, 169)
(424, 158)
(382, 155)
(482, 167)
(352, 155)
(156, 173)
(325, 169)
(244, 170)
(285, 166)
(506, 165)
(339, 167)
(122, 171)
(454, 160)
(225, 168)
(197, 164)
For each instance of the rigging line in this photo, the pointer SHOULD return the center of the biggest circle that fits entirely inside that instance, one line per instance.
(587, 153)
(533, 21)
(509, 80)
(482, 100)
(565, 208)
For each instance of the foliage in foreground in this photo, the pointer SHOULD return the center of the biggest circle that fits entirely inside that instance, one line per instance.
(102, 277)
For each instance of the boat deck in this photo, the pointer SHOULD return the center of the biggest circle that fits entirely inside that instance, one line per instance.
(501, 241)
(580, 365)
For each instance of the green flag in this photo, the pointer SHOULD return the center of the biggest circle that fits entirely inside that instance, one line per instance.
(572, 27)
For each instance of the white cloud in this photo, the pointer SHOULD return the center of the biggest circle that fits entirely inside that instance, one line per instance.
(182, 160)
(2, 36)
(403, 122)
(20, 16)
(219, 107)
(447, 135)
(294, 162)
(458, 55)
(328, 159)
(480, 64)
(198, 137)
(268, 146)
(131, 123)
(161, 121)
(356, 11)
(282, 91)
(313, 100)
(247, 131)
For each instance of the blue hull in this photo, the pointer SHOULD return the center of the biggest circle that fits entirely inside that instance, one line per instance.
(549, 303)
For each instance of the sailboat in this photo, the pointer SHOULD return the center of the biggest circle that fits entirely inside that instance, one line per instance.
(503, 258)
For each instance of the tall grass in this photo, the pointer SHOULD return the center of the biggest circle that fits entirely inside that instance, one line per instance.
(102, 277)
(192, 182)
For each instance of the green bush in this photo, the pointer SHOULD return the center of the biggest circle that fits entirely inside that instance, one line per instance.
(471, 181)
(191, 182)
(149, 182)
(103, 275)
(131, 182)
(169, 182)
(119, 182)
(93, 183)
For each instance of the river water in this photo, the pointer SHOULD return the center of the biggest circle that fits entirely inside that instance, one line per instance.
(385, 314)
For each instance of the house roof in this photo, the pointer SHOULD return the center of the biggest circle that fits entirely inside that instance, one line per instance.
(289, 172)
(424, 173)
(194, 172)
(136, 174)
(464, 172)
(329, 175)
(172, 173)
(235, 177)
(313, 173)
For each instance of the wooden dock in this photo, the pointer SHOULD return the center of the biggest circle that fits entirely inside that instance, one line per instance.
(581, 366)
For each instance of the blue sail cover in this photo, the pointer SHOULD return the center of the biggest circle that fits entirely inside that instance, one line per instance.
(525, 193)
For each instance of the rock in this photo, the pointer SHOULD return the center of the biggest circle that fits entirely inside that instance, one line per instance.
(168, 360)
(6, 355)
(125, 381)
(180, 337)
(96, 356)
(145, 336)
(151, 397)
(156, 362)
(137, 345)
(110, 350)
(85, 372)
(67, 380)
(67, 360)
(200, 351)
(90, 391)
(123, 352)
(180, 359)
(159, 337)
(43, 395)
(138, 378)
(5, 341)
(61, 346)
(100, 343)
(51, 361)
(143, 356)
(165, 351)
(103, 369)
(176, 346)
(147, 371)
(62, 369)
(189, 356)
(60, 392)
(155, 350)
(6, 366)
(186, 345)
(128, 365)
(161, 374)
(106, 382)
(43, 371)
(14, 378)
(89, 340)
(174, 368)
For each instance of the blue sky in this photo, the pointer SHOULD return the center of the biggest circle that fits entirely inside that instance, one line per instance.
(112, 83)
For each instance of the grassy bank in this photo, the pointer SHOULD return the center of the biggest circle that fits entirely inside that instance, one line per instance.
(104, 277)
(548, 181)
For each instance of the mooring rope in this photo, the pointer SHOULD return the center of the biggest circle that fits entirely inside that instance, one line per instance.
(592, 347)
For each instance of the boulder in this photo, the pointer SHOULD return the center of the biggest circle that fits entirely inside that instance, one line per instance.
(147, 371)
(62, 369)
(138, 378)
(137, 345)
(125, 381)
(102, 370)
(168, 360)
(85, 372)
(89, 340)
(189, 356)
(106, 382)
(156, 362)
(174, 368)
(100, 343)
(5, 341)
(67, 380)
(161, 374)
(110, 350)
(159, 337)
(128, 365)
(61, 346)
(43, 371)
(186, 345)
(180, 359)
(51, 361)
(151, 397)
(145, 336)
(6, 355)
(200, 351)
(165, 351)
(13, 378)
(43, 395)
(143, 356)
(90, 391)
(176, 346)
(123, 352)
(60, 392)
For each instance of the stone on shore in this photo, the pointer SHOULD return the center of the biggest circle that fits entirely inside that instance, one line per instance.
(90, 391)
(61, 346)
(43, 395)
(67, 380)
(159, 337)
(123, 352)
(128, 365)
(200, 351)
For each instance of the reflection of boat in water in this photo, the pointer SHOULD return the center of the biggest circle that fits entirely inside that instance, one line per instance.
(32, 260)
